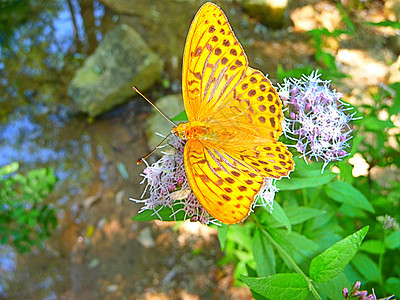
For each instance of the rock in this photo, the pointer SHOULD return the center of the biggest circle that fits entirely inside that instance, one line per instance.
(145, 239)
(394, 72)
(106, 78)
(270, 12)
(323, 14)
(392, 10)
(170, 105)
(363, 68)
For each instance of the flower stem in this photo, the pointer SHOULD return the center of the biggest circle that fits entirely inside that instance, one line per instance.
(288, 259)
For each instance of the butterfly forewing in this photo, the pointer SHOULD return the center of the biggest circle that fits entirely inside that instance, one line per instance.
(254, 109)
(214, 63)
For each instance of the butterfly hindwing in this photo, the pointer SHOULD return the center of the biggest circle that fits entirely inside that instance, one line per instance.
(225, 188)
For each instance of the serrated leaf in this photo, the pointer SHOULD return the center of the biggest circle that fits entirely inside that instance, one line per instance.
(222, 235)
(366, 267)
(300, 214)
(345, 193)
(264, 255)
(164, 214)
(332, 261)
(279, 215)
(393, 240)
(279, 286)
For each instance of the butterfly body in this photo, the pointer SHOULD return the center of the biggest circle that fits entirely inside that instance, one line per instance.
(234, 118)
(193, 130)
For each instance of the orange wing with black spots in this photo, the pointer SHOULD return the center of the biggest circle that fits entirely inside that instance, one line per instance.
(214, 63)
(242, 114)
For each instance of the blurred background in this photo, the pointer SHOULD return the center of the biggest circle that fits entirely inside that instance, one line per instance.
(72, 128)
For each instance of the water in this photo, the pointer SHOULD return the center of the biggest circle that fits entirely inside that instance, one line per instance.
(96, 251)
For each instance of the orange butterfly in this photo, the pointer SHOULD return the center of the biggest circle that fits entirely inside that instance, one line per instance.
(234, 118)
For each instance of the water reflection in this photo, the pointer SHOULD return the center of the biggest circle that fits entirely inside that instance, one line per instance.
(94, 252)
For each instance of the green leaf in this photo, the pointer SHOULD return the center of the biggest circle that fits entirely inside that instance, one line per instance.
(8, 169)
(352, 211)
(181, 117)
(300, 214)
(241, 234)
(279, 215)
(386, 23)
(279, 286)
(375, 124)
(392, 285)
(393, 240)
(300, 182)
(345, 193)
(165, 214)
(334, 288)
(395, 107)
(373, 247)
(264, 255)
(366, 267)
(294, 73)
(222, 235)
(307, 249)
(332, 261)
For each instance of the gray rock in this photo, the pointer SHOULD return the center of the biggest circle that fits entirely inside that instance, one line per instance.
(121, 60)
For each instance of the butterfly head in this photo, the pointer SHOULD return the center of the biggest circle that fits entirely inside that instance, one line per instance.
(180, 131)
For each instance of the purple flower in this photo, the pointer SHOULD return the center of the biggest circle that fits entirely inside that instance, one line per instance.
(318, 121)
(167, 186)
(355, 294)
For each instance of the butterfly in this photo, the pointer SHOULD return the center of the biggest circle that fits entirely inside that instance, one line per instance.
(234, 122)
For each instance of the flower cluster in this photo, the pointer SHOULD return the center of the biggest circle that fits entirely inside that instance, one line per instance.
(388, 222)
(267, 194)
(316, 118)
(355, 294)
(168, 186)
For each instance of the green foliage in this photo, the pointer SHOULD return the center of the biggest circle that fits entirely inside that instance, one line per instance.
(386, 23)
(332, 261)
(279, 286)
(165, 213)
(25, 221)
(328, 230)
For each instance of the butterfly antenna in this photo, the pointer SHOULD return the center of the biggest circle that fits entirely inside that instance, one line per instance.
(151, 103)
(152, 151)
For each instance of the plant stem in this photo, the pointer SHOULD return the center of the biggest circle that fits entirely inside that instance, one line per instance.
(380, 263)
(289, 259)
